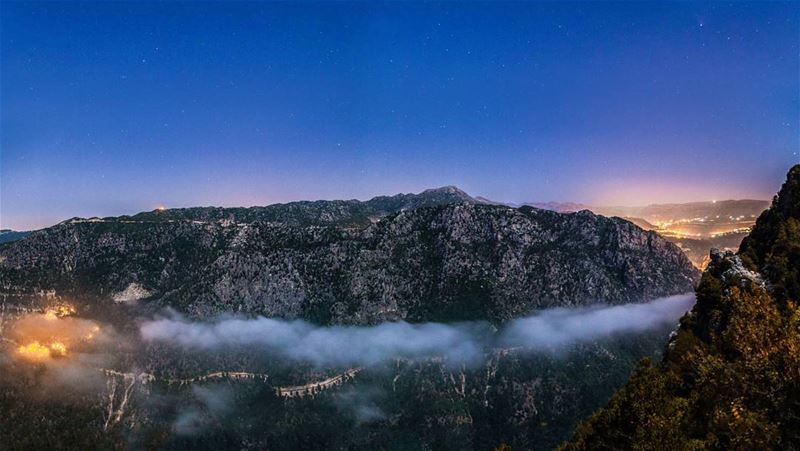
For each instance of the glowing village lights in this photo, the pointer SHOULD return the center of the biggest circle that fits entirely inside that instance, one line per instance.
(58, 349)
(34, 351)
(92, 333)
(49, 335)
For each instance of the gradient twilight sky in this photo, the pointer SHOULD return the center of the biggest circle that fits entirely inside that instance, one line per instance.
(114, 108)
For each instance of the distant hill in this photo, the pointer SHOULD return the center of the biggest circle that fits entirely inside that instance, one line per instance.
(641, 223)
(7, 235)
(561, 207)
(746, 208)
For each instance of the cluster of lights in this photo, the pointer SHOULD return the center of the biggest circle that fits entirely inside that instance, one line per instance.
(37, 351)
(56, 346)
(92, 333)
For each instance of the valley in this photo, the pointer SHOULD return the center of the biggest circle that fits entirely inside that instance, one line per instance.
(302, 226)
(123, 391)
(404, 319)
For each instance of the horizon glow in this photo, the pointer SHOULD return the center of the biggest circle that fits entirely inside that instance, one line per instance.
(115, 108)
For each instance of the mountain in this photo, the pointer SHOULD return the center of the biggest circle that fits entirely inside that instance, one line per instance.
(435, 256)
(7, 236)
(560, 207)
(645, 225)
(730, 375)
(342, 213)
(342, 262)
(527, 400)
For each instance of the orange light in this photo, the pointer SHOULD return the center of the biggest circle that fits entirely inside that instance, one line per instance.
(34, 351)
(58, 349)
(92, 333)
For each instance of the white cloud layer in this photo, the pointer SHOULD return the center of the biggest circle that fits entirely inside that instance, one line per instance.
(551, 329)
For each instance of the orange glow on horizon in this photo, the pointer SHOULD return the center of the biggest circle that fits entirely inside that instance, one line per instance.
(633, 193)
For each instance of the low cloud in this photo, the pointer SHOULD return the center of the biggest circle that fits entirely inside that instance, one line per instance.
(551, 329)
(560, 327)
(334, 345)
(362, 404)
(209, 403)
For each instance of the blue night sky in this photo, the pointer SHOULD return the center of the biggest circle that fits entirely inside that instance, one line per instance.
(114, 108)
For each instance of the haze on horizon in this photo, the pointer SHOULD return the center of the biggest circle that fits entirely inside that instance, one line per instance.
(115, 108)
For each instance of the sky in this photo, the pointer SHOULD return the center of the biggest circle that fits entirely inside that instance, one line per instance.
(114, 108)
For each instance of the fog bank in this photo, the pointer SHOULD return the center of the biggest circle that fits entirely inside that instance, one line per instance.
(552, 329)
(561, 327)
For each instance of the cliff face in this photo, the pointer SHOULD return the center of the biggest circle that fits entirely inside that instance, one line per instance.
(772, 247)
(730, 377)
(448, 261)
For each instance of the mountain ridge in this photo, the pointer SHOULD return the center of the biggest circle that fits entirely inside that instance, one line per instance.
(457, 260)
(446, 263)
(352, 212)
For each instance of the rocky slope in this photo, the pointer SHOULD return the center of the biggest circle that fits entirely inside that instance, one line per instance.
(438, 255)
(730, 375)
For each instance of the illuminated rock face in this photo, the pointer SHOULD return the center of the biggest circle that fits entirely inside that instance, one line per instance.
(132, 293)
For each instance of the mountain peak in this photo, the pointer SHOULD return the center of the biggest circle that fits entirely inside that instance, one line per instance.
(449, 189)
